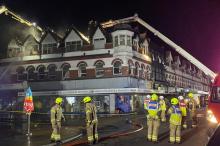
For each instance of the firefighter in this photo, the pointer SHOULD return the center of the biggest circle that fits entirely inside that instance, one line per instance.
(91, 120)
(175, 121)
(192, 109)
(146, 101)
(56, 117)
(163, 109)
(153, 120)
(182, 105)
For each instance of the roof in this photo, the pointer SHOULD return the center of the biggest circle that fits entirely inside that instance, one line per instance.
(55, 35)
(81, 35)
(30, 37)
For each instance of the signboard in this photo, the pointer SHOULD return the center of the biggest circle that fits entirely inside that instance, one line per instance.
(28, 101)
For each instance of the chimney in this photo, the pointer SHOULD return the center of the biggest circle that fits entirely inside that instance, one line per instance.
(91, 29)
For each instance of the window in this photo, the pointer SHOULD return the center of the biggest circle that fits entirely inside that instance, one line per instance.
(215, 94)
(122, 39)
(99, 69)
(20, 74)
(66, 73)
(142, 72)
(117, 68)
(116, 41)
(128, 40)
(49, 48)
(41, 73)
(99, 39)
(82, 70)
(31, 75)
(73, 46)
(130, 66)
(52, 71)
(136, 70)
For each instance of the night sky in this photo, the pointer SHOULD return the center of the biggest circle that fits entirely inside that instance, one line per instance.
(192, 24)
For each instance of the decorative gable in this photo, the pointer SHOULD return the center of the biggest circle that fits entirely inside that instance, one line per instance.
(99, 40)
(72, 36)
(48, 39)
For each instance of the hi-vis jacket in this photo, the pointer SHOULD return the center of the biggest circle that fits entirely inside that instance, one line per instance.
(182, 105)
(163, 105)
(153, 109)
(56, 113)
(175, 115)
(91, 116)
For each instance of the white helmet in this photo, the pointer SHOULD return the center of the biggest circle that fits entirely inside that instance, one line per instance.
(148, 96)
(161, 97)
(180, 98)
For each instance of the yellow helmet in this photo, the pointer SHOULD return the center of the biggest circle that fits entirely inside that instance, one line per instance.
(190, 95)
(87, 99)
(174, 101)
(154, 97)
(59, 100)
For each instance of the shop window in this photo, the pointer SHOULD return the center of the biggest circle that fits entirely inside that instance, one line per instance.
(117, 68)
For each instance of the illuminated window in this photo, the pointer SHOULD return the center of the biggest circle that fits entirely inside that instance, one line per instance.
(99, 69)
(117, 68)
(49, 48)
(73, 46)
(82, 70)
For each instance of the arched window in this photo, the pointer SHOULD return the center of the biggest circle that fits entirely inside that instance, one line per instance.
(52, 71)
(136, 70)
(20, 73)
(117, 68)
(41, 72)
(99, 68)
(65, 71)
(82, 69)
(30, 71)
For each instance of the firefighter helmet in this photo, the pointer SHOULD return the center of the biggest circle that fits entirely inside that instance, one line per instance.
(180, 98)
(87, 99)
(174, 101)
(59, 100)
(148, 96)
(154, 97)
(190, 95)
(161, 97)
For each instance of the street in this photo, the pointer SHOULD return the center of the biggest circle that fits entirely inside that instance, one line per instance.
(190, 137)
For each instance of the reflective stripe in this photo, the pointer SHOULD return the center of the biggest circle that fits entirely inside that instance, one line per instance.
(149, 136)
(154, 138)
(90, 138)
(172, 139)
(88, 111)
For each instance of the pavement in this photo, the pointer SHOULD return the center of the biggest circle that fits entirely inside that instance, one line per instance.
(71, 129)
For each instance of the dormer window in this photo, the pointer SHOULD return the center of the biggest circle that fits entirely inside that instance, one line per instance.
(73, 46)
(129, 40)
(122, 40)
(116, 41)
(49, 48)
